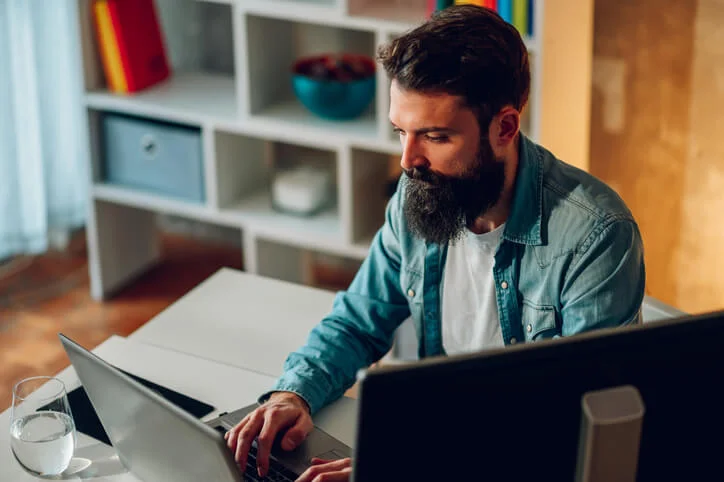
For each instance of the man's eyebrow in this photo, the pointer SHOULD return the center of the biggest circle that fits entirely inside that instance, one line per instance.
(426, 130)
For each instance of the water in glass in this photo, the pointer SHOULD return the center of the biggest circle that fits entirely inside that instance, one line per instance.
(42, 431)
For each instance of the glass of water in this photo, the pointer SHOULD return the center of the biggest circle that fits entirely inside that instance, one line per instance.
(42, 431)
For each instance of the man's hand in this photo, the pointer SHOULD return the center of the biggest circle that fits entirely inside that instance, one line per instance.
(283, 410)
(327, 471)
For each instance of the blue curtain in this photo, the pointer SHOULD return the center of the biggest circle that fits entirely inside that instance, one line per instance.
(43, 158)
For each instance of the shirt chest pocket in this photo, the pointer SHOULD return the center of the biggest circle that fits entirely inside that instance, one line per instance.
(539, 321)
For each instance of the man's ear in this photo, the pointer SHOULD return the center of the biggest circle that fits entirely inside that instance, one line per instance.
(505, 126)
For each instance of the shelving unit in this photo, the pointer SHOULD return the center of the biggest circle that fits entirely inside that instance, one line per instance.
(231, 63)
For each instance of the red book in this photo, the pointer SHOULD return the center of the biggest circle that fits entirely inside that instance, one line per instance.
(431, 5)
(140, 42)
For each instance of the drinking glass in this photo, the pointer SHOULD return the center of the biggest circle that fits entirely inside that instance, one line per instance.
(42, 431)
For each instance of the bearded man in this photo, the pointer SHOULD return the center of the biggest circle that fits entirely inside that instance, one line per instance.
(489, 240)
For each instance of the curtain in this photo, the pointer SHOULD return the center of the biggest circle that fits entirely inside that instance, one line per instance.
(43, 156)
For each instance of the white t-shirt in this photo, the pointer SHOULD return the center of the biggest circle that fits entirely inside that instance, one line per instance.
(469, 309)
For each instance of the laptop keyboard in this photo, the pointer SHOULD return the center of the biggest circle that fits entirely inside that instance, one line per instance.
(277, 472)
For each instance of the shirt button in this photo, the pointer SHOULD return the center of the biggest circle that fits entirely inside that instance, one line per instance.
(504, 285)
(411, 293)
(513, 341)
(529, 328)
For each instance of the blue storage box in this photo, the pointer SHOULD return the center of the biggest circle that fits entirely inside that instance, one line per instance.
(159, 157)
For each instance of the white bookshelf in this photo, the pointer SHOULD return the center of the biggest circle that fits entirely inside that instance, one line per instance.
(231, 61)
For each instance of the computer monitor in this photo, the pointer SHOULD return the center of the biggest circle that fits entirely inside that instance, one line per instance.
(515, 413)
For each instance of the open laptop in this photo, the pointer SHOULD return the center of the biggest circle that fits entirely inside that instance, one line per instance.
(156, 440)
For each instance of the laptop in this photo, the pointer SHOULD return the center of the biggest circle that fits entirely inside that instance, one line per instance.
(156, 440)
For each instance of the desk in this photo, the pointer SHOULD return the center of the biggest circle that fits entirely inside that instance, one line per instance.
(222, 343)
(239, 319)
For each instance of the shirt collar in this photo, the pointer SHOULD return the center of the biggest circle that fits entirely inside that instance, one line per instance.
(526, 213)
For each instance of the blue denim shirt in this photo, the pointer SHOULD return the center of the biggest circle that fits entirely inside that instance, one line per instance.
(571, 260)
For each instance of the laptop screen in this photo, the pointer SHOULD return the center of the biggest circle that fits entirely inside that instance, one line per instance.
(154, 439)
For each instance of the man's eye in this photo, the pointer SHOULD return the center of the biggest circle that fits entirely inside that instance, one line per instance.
(398, 131)
(439, 139)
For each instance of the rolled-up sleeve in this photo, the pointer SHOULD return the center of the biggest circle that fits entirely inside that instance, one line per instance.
(360, 328)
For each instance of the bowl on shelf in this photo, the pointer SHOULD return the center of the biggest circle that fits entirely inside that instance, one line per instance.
(335, 86)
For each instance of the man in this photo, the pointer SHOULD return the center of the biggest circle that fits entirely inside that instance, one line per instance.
(489, 241)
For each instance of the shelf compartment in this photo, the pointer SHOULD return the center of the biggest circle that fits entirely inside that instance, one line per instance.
(126, 236)
(405, 11)
(270, 73)
(304, 265)
(160, 163)
(199, 45)
(245, 166)
(198, 35)
(374, 178)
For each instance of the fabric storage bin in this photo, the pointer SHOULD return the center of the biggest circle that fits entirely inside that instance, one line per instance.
(159, 157)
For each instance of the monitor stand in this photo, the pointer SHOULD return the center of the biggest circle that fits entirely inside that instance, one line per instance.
(608, 447)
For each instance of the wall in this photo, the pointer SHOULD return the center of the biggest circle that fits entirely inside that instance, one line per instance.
(565, 97)
(699, 255)
(656, 98)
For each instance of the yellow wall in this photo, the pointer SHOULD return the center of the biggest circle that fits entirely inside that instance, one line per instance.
(699, 257)
(657, 98)
(566, 69)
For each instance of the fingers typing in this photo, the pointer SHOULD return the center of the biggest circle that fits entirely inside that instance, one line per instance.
(246, 437)
(327, 471)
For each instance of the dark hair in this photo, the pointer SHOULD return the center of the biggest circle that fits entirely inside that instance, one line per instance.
(467, 51)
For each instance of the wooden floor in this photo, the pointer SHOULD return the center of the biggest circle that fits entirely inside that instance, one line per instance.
(45, 295)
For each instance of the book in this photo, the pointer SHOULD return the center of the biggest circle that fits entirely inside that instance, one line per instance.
(531, 15)
(520, 15)
(131, 44)
(110, 55)
(505, 10)
(436, 5)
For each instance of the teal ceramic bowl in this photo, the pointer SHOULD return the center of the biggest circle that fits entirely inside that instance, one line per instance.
(335, 87)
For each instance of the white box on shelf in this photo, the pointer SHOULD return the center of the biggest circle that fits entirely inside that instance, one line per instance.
(303, 190)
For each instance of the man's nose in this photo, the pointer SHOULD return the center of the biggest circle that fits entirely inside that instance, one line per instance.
(412, 155)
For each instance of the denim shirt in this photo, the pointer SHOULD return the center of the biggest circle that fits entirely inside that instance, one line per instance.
(570, 260)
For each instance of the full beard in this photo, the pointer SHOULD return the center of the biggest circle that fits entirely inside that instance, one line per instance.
(439, 208)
